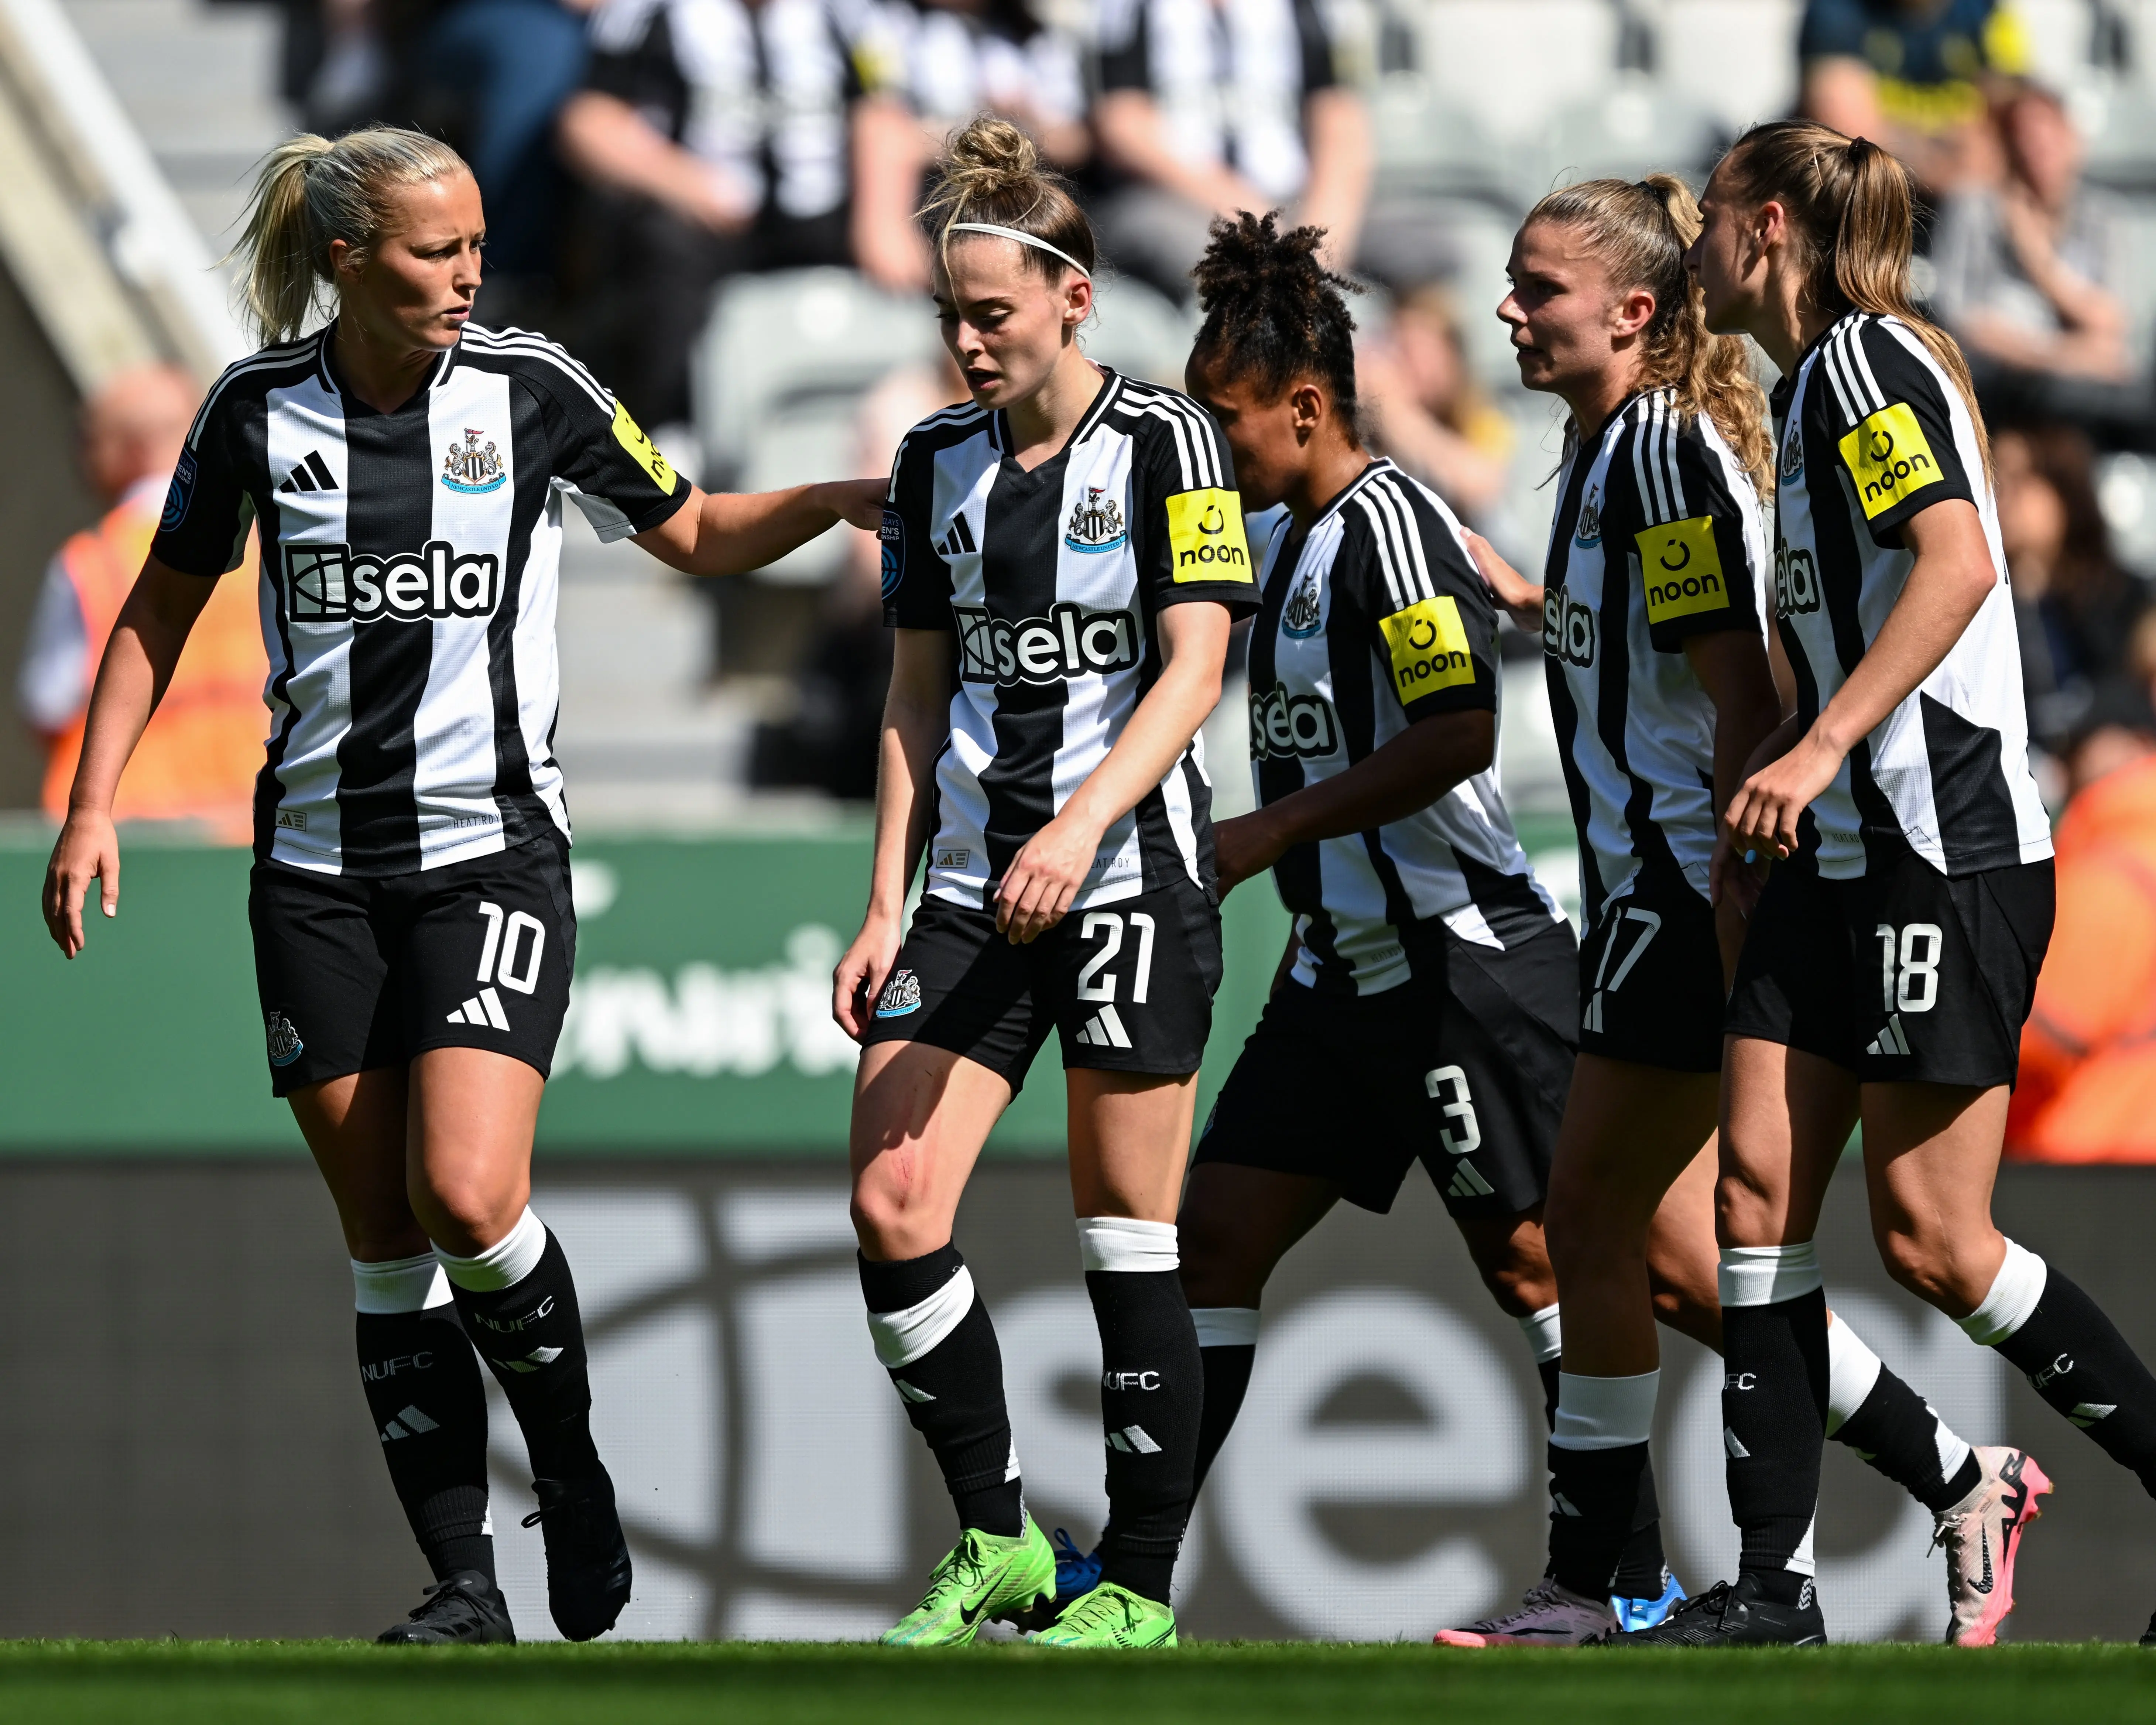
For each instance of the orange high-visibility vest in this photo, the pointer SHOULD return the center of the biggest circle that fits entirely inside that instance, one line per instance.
(204, 746)
(2087, 1089)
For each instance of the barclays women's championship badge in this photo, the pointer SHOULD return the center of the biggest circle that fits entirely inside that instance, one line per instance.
(901, 995)
(1096, 522)
(472, 469)
(180, 493)
(892, 537)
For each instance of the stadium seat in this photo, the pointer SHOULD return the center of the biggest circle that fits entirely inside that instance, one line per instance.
(1512, 63)
(2120, 123)
(1429, 145)
(1736, 58)
(1634, 126)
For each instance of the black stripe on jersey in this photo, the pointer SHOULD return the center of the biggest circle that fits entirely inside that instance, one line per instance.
(1565, 716)
(1657, 479)
(1649, 843)
(1397, 539)
(522, 813)
(1194, 438)
(269, 787)
(1977, 823)
(389, 466)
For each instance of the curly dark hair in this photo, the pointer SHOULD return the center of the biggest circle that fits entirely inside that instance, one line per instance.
(1273, 312)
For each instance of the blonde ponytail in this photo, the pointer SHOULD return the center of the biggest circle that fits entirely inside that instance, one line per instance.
(991, 171)
(1852, 217)
(309, 191)
(1640, 230)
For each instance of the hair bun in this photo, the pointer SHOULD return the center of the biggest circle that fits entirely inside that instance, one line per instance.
(989, 155)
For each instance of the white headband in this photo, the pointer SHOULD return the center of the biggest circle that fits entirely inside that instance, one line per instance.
(1023, 238)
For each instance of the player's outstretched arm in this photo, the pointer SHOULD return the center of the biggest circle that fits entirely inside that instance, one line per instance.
(145, 644)
(731, 532)
(916, 720)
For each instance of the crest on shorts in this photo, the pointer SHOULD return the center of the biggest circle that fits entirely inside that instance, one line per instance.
(471, 468)
(901, 995)
(1096, 522)
(1303, 613)
(285, 1044)
(1590, 530)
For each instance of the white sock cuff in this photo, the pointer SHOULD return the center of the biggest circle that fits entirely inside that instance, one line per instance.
(2015, 1292)
(398, 1285)
(1851, 1369)
(1226, 1326)
(1604, 1413)
(504, 1264)
(1545, 1336)
(1767, 1276)
(1118, 1243)
(903, 1336)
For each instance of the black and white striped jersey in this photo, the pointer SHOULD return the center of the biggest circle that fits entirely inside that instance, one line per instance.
(1658, 536)
(1870, 415)
(1374, 620)
(410, 566)
(1051, 581)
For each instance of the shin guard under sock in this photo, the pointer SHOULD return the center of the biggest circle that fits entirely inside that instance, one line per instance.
(1773, 1404)
(932, 1335)
(1597, 1456)
(2073, 1357)
(1152, 1391)
(429, 1404)
(1227, 1349)
(1890, 1427)
(519, 1305)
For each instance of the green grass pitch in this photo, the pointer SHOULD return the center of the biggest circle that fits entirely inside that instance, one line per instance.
(336, 1683)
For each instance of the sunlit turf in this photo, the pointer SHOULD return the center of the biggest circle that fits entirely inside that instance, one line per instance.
(330, 1683)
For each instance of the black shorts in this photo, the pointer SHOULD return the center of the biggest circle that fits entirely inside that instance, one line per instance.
(1466, 1074)
(1904, 976)
(1129, 986)
(359, 973)
(1650, 989)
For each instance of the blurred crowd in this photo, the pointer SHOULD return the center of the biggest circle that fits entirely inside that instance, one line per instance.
(637, 155)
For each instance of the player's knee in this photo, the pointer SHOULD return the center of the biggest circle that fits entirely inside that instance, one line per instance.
(1744, 1214)
(1923, 1261)
(463, 1211)
(1516, 1269)
(892, 1223)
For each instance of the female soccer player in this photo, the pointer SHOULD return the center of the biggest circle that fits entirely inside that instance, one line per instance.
(1062, 560)
(1660, 687)
(1427, 1007)
(410, 895)
(1892, 956)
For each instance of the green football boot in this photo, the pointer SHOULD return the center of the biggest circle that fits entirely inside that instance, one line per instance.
(1110, 1616)
(986, 1576)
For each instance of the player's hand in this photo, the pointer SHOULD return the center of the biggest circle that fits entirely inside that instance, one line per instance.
(1761, 818)
(1042, 879)
(1512, 589)
(1245, 846)
(88, 849)
(1731, 879)
(859, 503)
(861, 972)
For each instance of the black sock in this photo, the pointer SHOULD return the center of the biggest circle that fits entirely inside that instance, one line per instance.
(953, 1388)
(1774, 1416)
(1227, 1371)
(1643, 1567)
(1894, 1431)
(1593, 1494)
(1152, 1391)
(2074, 1358)
(1549, 1371)
(532, 1338)
(429, 1404)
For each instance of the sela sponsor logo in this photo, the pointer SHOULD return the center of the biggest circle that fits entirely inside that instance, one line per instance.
(472, 469)
(901, 995)
(329, 583)
(1681, 566)
(180, 493)
(1286, 726)
(1096, 522)
(1889, 458)
(1206, 536)
(1429, 647)
(1304, 614)
(1796, 581)
(1588, 531)
(383, 1370)
(285, 1044)
(892, 538)
(1130, 1380)
(1069, 642)
(1568, 628)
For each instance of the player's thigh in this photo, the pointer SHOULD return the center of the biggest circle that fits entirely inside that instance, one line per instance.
(473, 1113)
(1237, 1223)
(921, 1116)
(1786, 1117)
(1512, 1257)
(1683, 1256)
(355, 1126)
(1130, 1142)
